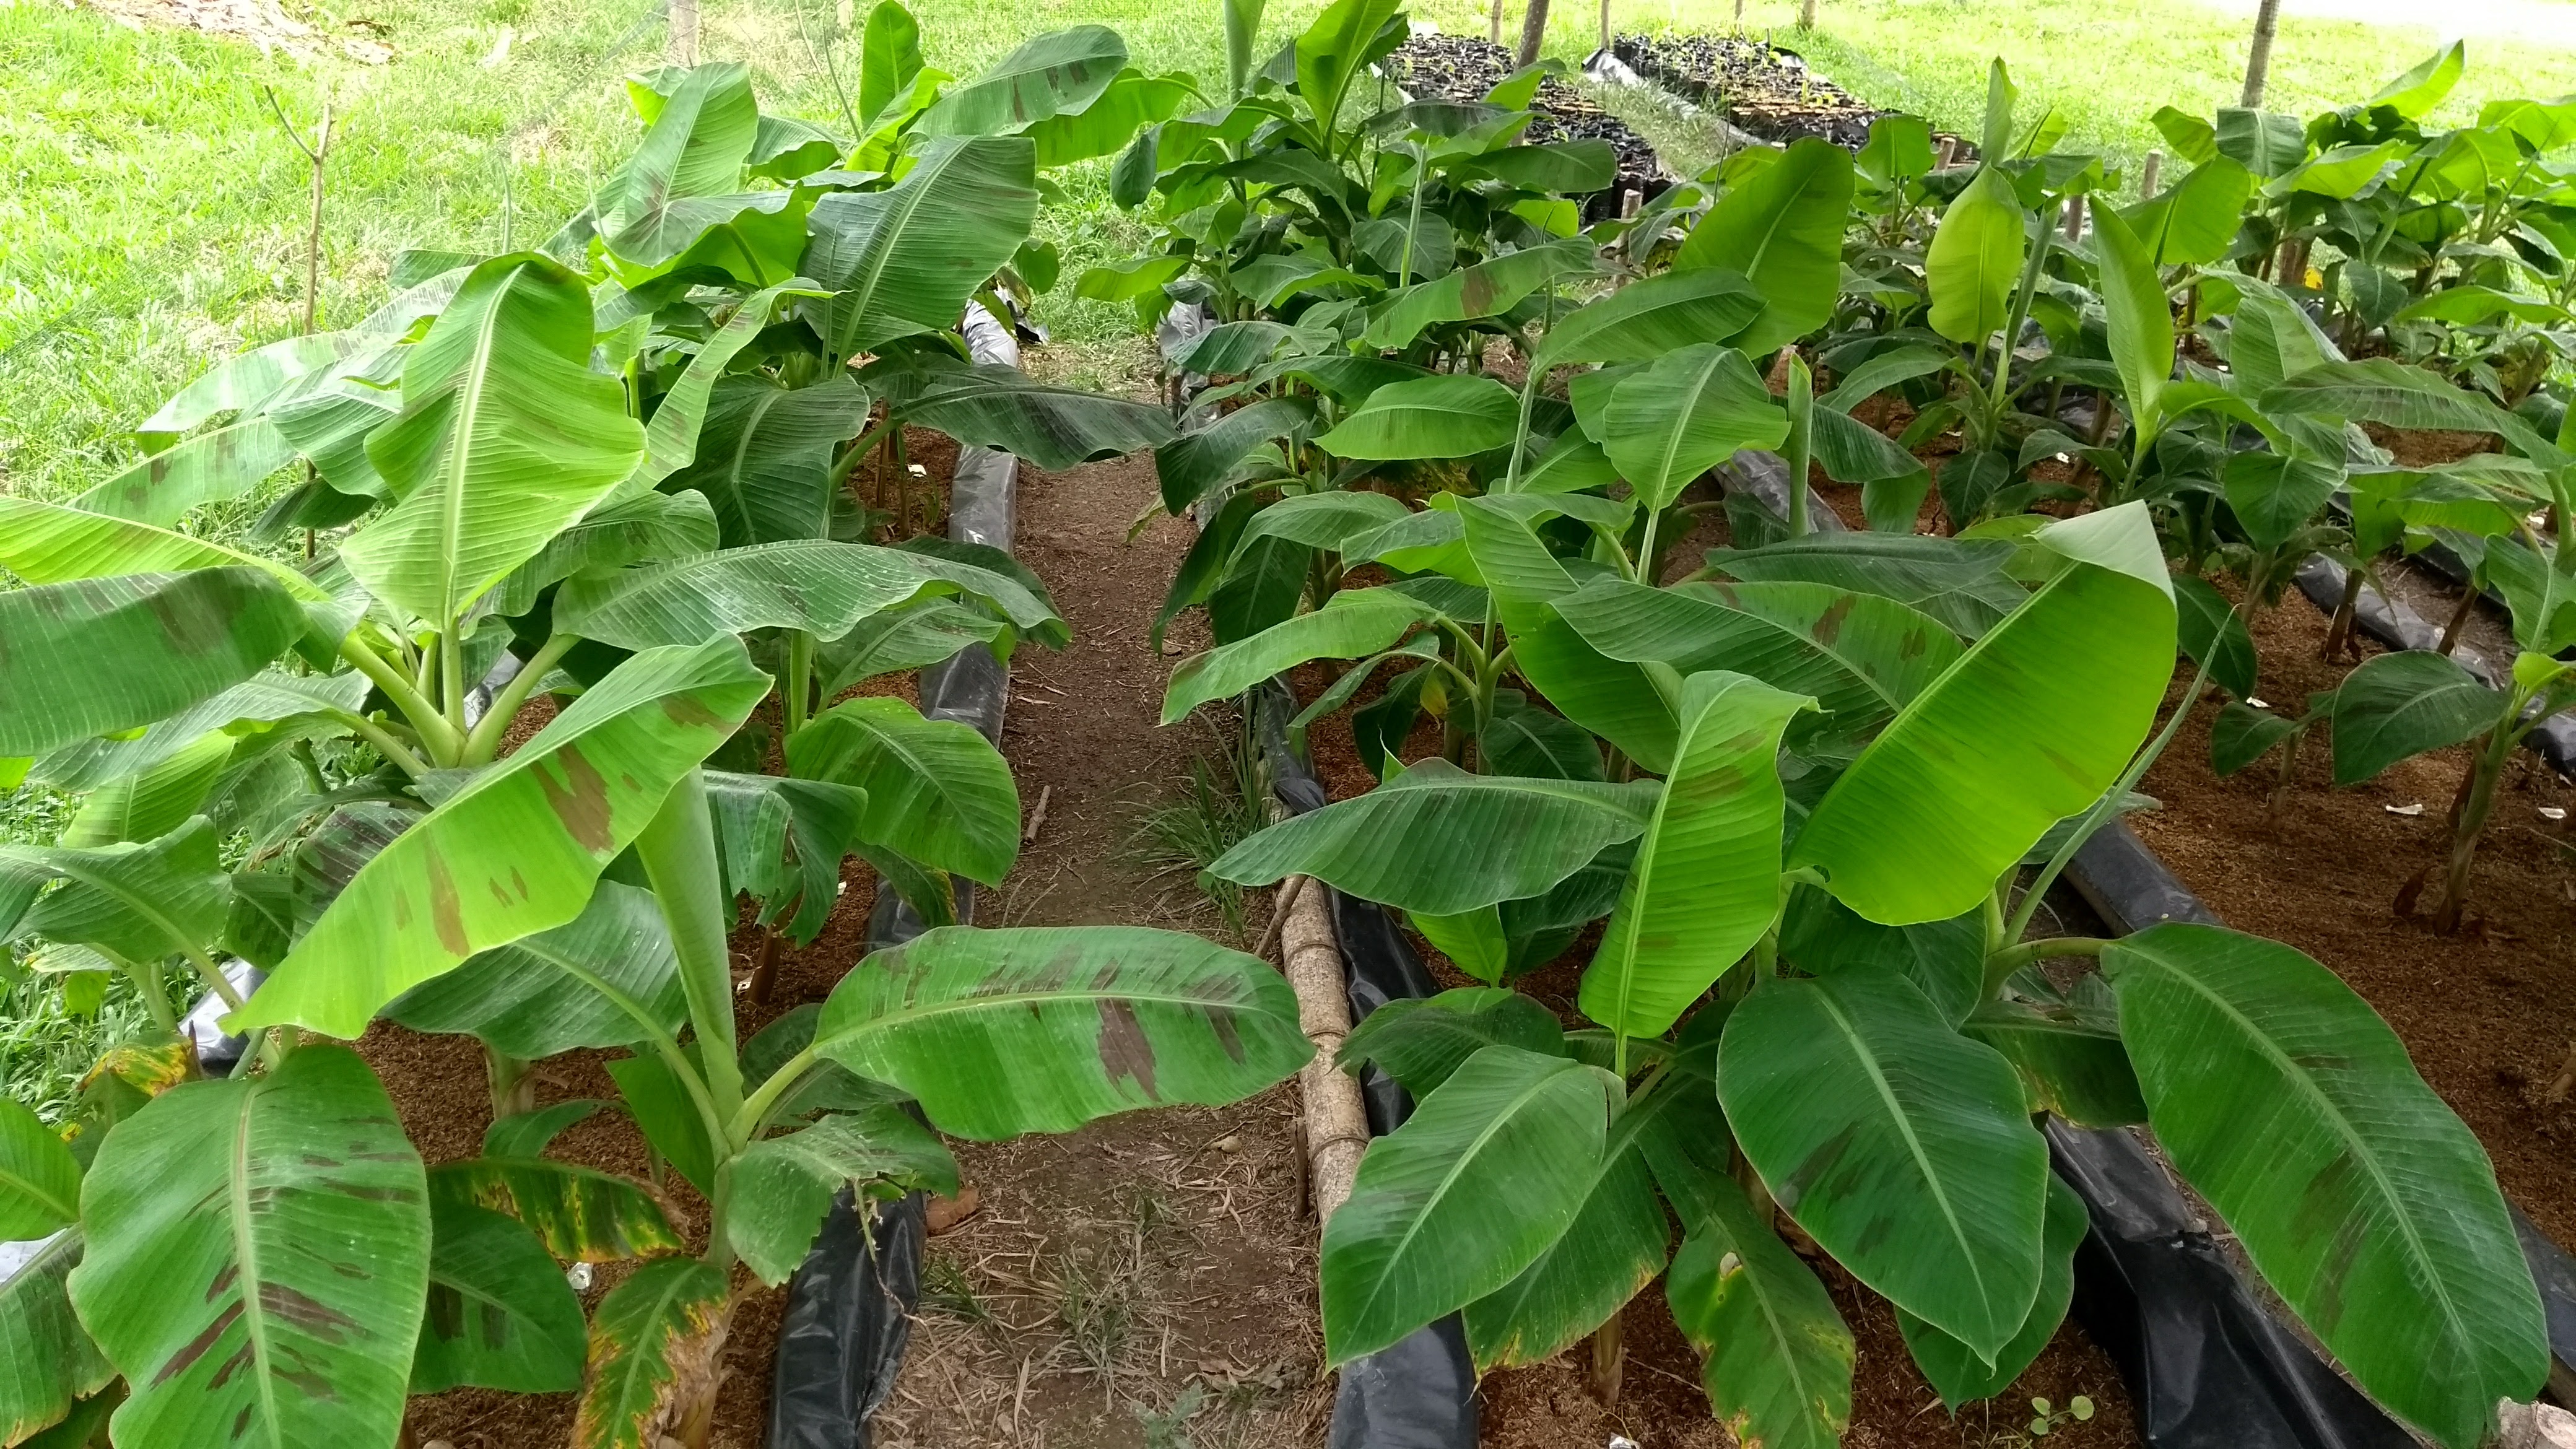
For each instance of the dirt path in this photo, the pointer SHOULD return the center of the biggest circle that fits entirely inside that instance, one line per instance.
(1149, 1277)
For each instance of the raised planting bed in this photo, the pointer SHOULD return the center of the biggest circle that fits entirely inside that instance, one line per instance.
(1768, 91)
(1465, 67)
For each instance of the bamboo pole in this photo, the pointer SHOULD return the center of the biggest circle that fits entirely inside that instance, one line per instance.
(1336, 1121)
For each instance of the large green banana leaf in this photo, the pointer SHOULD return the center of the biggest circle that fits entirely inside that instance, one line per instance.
(1001, 1032)
(143, 902)
(1614, 1247)
(1355, 623)
(2384, 390)
(1438, 841)
(2028, 727)
(764, 456)
(506, 436)
(936, 789)
(519, 849)
(1453, 415)
(243, 382)
(1902, 1146)
(1057, 73)
(2361, 1199)
(615, 535)
(47, 1361)
(47, 543)
(1611, 698)
(1419, 1041)
(1487, 289)
(653, 1345)
(39, 1179)
(1976, 258)
(268, 1293)
(1189, 465)
(219, 464)
(1862, 657)
(1779, 1356)
(816, 585)
(1706, 883)
(1647, 319)
(1333, 51)
(1489, 1171)
(1003, 408)
(98, 656)
(782, 1186)
(907, 259)
(1782, 228)
(1957, 1373)
(686, 174)
(1959, 581)
(599, 980)
(269, 697)
(500, 1314)
(1683, 414)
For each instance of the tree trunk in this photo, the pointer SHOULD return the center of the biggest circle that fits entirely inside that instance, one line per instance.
(2267, 19)
(1806, 14)
(1533, 31)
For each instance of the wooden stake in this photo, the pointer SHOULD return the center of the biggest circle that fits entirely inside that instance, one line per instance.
(684, 32)
(1533, 33)
(1605, 26)
(1494, 31)
(764, 976)
(1949, 154)
(1336, 1122)
(2075, 218)
(1807, 14)
(2258, 62)
(2147, 175)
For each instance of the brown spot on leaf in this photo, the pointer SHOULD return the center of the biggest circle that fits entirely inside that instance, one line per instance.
(446, 912)
(687, 712)
(1829, 625)
(196, 1348)
(308, 1313)
(1124, 1051)
(580, 800)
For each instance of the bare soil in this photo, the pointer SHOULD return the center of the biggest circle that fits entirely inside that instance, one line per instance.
(1155, 1268)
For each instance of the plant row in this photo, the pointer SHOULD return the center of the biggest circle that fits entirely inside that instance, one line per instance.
(628, 463)
(1805, 795)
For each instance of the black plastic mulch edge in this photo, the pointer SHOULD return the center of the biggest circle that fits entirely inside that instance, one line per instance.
(849, 1307)
(1421, 1392)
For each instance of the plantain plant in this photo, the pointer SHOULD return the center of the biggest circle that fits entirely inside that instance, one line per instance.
(625, 466)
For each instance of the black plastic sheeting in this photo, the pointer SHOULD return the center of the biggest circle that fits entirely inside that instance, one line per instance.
(2207, 1366)
(849, 1307)
(1420, 1393)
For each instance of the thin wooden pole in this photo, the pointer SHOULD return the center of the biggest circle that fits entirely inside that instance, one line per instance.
(684, 32)
(1533, 32)
(2148, 174)
(2267, 21)
(1807, 14)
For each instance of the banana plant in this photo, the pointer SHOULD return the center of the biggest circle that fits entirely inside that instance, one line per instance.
(2400, 705)
(628, 481)
(1804, 787)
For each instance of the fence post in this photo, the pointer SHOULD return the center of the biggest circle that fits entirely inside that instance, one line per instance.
(684, 32)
